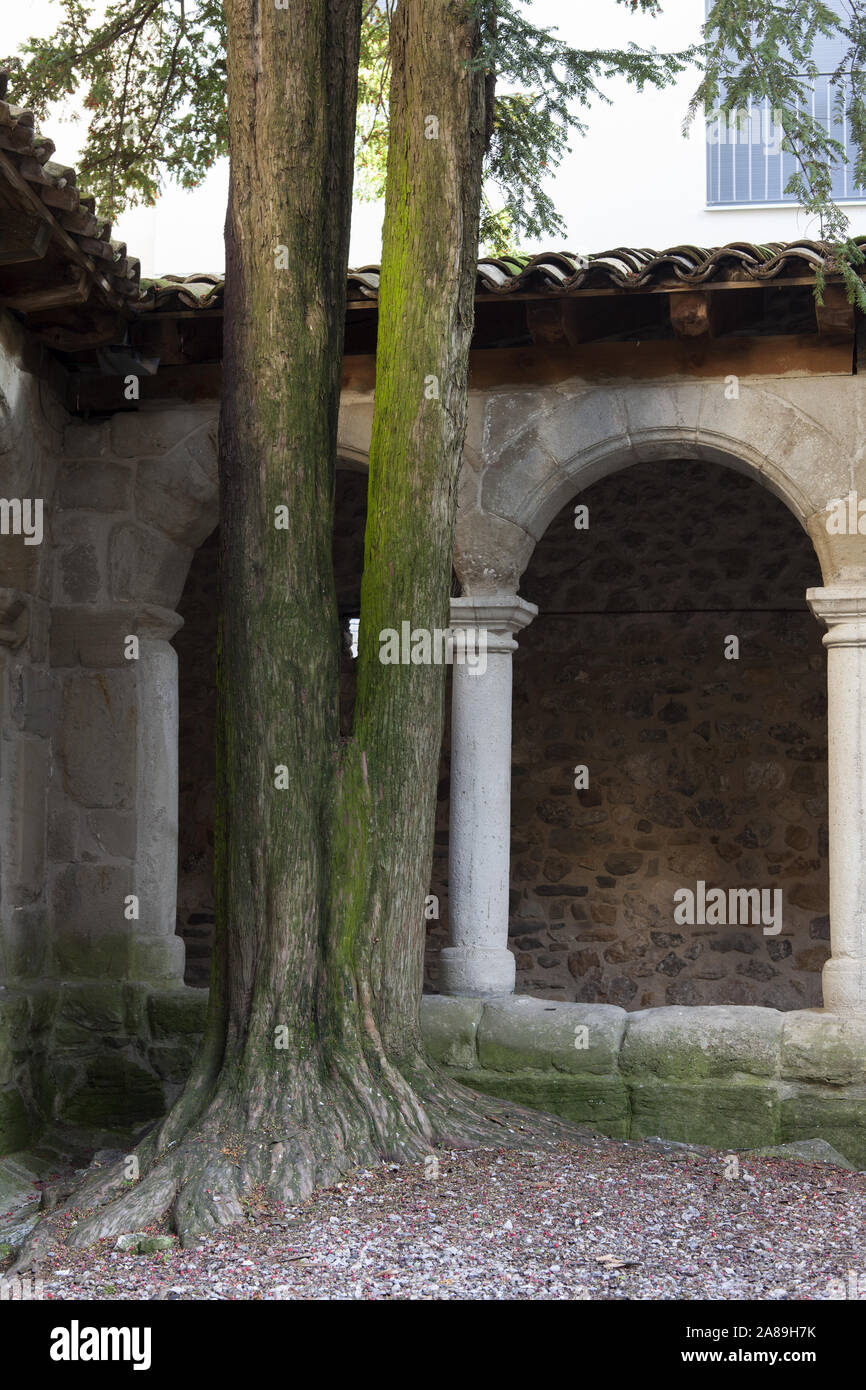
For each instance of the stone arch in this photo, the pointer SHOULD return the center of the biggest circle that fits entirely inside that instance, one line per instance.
(540, 448)
(531, 450)
(697, 768)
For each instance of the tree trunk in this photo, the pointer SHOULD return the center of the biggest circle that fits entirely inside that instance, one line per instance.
(312, 1062)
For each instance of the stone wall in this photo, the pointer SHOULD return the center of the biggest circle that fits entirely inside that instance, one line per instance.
(31, 435)
(92, 1061)
(196, 643)
(699, 767)
(31, 427)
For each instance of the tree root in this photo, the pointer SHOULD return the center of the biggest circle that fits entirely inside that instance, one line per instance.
(199, 1183)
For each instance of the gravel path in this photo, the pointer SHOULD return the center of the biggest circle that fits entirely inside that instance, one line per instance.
(605, 1220)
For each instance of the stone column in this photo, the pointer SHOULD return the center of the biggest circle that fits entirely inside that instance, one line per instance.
(843, 609)
(113, 820)
(156, 951)
(478, 961)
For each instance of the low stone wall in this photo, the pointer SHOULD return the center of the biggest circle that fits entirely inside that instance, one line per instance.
(92, 1060)
(95, 1060)
(732, 1077)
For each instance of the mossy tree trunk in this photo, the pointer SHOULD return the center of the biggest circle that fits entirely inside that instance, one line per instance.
(312, 1062)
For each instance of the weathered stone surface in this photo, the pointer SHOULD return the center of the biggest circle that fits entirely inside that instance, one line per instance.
(86, 441)
(172, 1064)
(14, 1121)
(115, 1093)
(726, 1114)
(82, 955)
(33, 700)
(179, 1013)
(174, 495)
(91, 637)
(834, 1114)
(89, 901)
(145, 566)
(140, 1243)
(823, 1048)
(97, 739)
(598, 1101)
(449, 1027)
(140, 433)
(92, 1005)
(687, 1044)
(25, 767)
(16, 1184)
(805, 1151)
(156, 958)
(534, 1034)
(110, 834)
(95, 484)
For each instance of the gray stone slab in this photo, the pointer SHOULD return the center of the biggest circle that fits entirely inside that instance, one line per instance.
(693, 1043)
(521, 1033)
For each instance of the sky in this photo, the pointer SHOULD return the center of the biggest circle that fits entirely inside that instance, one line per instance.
(633, 180)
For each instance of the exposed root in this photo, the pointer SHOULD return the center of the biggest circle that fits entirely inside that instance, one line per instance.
(199, 1183)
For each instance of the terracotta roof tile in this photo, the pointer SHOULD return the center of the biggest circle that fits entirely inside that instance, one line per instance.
(558, 272)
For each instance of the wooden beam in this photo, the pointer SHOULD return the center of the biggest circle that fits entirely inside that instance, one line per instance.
(34, 203)
(101, 330)
(835, 317)
(22, 238)
(545, 322)
(52, 297)
(691, 315)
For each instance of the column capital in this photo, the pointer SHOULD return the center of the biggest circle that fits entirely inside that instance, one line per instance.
(842, 608)
(500, 615)
(157, 623)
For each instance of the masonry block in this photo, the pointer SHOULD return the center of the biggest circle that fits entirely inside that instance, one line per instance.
(522, 1034)
(691, 1043)
(449, 1027)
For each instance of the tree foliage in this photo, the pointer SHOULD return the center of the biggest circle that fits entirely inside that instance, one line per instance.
(153, 73)
(154, 76)
(763, 52)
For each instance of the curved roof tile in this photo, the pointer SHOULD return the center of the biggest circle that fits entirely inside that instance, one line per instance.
(558, 272)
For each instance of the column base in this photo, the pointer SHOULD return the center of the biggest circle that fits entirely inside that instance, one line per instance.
(843, 984)
(476, 971)
(159, 960)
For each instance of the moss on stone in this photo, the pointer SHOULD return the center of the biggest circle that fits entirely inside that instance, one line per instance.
(15, 1123)
(600, 1102)
(823, 1048)
(740, 1112)
(688, 1044)
(177, 1013)
(525, 1034)
(114, 1092)
(449, 1027)
(828, 1112)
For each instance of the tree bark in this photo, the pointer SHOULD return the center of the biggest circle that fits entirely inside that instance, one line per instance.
(312, 1062)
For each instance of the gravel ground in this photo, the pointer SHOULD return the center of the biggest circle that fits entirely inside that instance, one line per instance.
(602, 1220)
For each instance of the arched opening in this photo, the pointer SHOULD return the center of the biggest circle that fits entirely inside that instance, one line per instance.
(706, 757)
(196, 645)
